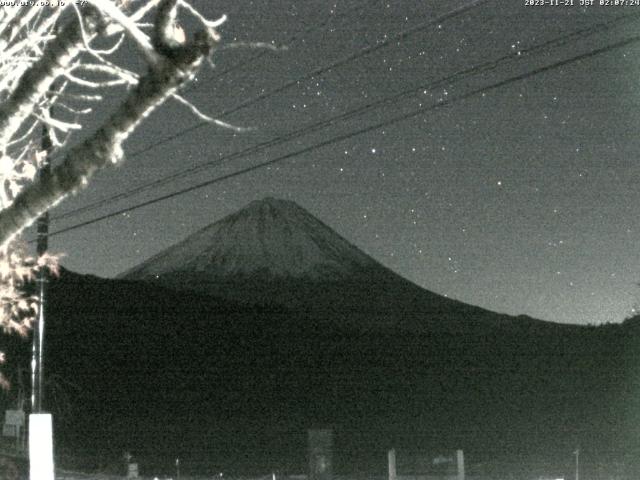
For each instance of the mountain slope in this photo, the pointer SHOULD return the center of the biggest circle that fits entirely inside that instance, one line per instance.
(270, 238)
(239, 385)
(275, 252)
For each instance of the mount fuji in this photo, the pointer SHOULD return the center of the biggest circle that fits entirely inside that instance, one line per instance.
(275, 252)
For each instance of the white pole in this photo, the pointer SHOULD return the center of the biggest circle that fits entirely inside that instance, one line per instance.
(577, 454)
(392, 464)
(41, 447)
(460, 461)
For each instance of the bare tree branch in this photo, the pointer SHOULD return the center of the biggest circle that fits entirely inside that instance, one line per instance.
(177, 65)
(39, 77)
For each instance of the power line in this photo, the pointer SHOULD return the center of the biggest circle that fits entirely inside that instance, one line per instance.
(318, 71)
(449, 80)
(402, 35)
(193, 85)
(340, 138)
(219, 75)
(365, 51)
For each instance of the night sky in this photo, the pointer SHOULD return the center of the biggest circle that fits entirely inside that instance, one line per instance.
(520, 199)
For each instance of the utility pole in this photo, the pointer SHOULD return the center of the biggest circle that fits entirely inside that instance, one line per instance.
(37, 360)
(41, 466)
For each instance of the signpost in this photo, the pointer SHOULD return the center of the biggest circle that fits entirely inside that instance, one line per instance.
(14, 426)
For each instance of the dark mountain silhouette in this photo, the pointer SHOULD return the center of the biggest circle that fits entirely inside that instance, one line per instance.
(274, 251)
(224, 349)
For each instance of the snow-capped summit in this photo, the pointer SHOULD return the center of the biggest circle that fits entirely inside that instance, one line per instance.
(269, 239)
